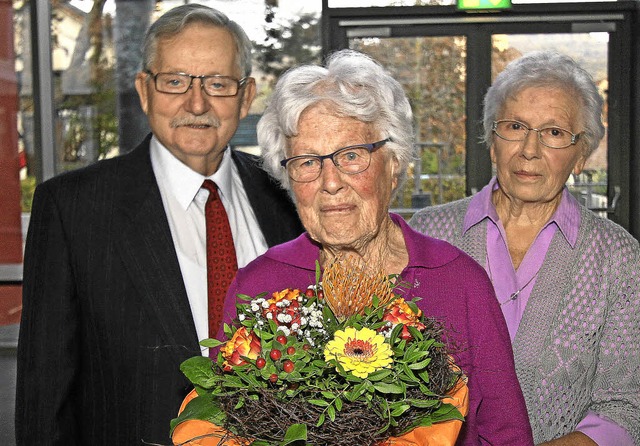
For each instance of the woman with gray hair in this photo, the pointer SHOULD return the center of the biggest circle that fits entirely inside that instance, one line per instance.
(566, 279)
(339, 139)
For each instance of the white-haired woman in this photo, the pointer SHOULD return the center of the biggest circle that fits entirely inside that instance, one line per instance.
(340, 139)
(566, 279)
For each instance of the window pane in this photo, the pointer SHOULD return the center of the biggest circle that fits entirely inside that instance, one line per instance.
(84, 86)
(432, 71)
(12, 156)
(366, 3)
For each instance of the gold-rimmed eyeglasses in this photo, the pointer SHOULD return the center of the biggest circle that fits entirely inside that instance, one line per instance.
(213, 85)
(349, 160)
(553, 137)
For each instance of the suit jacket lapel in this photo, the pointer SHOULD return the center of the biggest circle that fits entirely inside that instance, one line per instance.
(274, 210)
(147, 249)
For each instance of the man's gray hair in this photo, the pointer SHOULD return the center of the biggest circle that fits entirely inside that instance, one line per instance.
(177, 19)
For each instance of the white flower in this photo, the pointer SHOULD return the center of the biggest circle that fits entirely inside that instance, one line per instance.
(269, 316)
(241, 317)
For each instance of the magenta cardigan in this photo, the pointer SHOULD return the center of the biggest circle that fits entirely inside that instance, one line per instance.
(455, 290)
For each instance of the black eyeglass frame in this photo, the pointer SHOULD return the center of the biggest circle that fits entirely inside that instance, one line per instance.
(372, 147)
(241, 82)
(574, 136)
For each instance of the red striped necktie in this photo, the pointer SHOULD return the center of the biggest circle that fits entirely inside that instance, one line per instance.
(221, 256)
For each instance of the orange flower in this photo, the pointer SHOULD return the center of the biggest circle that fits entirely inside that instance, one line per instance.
(287, 293)
(399, 312)
(242, 343)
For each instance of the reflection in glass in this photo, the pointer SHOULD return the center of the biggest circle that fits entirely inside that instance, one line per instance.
(433, 73)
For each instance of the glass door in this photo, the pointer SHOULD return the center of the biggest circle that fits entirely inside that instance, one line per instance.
(447, 59)
(432, 71)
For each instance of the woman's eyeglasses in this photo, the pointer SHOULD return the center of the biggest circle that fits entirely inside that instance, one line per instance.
(349, 160)
(554, 137)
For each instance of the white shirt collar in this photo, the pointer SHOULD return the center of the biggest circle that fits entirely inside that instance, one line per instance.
(181, 180)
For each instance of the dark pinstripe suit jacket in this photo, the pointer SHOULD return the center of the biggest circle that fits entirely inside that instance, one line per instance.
(106, 321)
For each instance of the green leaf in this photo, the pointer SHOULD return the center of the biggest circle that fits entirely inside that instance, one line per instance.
(331, 411)
(424, 404)
(408, 374)
(328, 316)
(321, 419)
(396, 388)
(318, 272)
(424, 376)
(350, 377)
(420, 365)
(200, 408)
(210, 343)
(379, 375)
(239, 404)
(338, 404)
(244, 297)
(412, 356)
(249, 378)
(295, 432)
(320, 403)
(399, 410)
(358, 390)
(446, 412)
(198, 370)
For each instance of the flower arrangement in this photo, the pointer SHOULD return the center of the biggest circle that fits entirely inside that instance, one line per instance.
(344, 362)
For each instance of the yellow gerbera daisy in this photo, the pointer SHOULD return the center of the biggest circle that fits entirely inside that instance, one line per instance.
(360, 351)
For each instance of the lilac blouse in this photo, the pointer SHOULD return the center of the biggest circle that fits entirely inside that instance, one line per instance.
(507, 281)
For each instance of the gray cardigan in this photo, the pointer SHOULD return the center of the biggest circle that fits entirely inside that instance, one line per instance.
(578, 345)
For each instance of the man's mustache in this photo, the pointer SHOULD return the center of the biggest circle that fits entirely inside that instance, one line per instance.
(208, 121)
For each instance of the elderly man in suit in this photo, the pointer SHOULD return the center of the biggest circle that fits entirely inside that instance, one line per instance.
(115, 271)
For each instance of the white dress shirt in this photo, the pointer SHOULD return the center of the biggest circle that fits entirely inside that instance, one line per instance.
(184, 200)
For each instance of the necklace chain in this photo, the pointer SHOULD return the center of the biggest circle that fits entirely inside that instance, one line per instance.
(516, 293)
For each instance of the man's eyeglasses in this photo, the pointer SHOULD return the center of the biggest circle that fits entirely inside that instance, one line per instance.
(349, 160)
(554, 137)
(214, 85)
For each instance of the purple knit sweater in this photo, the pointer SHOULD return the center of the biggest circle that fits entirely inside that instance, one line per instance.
(455, 290)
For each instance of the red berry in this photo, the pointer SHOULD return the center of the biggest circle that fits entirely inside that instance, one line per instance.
(320, 294)
(306, 347)
(275, 354)
(309, 292)
(288, 366)
(260, 363)
(273, 378)
(291, 350)
(282, 339)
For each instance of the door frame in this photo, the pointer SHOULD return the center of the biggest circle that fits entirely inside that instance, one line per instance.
(620, 19)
